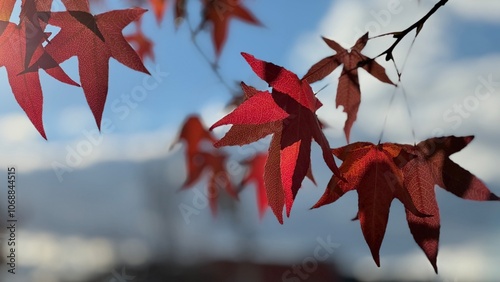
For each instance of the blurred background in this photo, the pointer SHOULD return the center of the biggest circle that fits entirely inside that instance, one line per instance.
(107, 207)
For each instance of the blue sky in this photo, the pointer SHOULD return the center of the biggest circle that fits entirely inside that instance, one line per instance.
(456, 50)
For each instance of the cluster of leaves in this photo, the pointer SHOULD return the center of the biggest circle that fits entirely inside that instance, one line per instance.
(382, 172)
(201, 156)
(216, 14)
(93, 39)
(289, 113)
(378, 172)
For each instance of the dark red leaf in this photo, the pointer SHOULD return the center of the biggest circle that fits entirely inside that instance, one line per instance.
(82, 35)
(386, 171)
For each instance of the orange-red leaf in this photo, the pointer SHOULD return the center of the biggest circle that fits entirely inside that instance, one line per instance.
(25, 83)
(218, 13)
(370, 170)
(450, 176)
(425, 230)
(382, 172)
(159, 7)
(193, 132)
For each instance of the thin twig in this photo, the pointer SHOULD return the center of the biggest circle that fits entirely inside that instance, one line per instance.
(399, 84)
(393, 95)
(410, 116)
(418, 26)
(213, 64)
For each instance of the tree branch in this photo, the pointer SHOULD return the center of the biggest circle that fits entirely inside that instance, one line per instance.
(213, 64)
(418, 26)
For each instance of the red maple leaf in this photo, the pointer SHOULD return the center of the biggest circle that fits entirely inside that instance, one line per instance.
(25, 83)
(386, 171)
(94, 40)
(370, 170)
(348, 91)
(219, 12)
(256, 173)
(159, 7)
(289, 113)
(199, 159)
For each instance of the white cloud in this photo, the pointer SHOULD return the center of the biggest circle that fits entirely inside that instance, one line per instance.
(73, 257)
(434, 84)
(484, 10)
(22, 146)
(64, 256)
(212, 112)
(25, 149)
(72, 119)
(479, 265)
(16, 128)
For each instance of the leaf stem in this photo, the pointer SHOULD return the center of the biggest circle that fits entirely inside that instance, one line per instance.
(393, 95)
